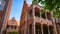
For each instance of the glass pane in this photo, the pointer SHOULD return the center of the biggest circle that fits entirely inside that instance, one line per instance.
(2, 5)
(0, 2)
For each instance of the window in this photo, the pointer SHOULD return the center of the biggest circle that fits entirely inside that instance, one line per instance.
(56, 19)
(2, 3)
(43, 16)
(30, 13)
(15, 27)
(11, 27)
(12, 22)
(8, 27)
(37, 12)
(48, 14)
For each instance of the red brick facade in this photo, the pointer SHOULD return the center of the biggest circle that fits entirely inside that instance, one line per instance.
(12, 25)
(4, 14)
(32, 22)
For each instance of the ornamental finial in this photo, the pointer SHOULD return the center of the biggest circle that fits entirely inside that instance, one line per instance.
(24, 0)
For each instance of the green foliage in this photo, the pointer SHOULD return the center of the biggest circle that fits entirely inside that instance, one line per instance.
(42, 11)
(57, 13)
(50, 5)
(12, 32)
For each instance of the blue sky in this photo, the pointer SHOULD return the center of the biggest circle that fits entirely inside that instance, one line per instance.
(16, 8)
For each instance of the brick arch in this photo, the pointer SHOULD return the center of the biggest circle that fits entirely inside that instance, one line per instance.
(37, 8)
(45, 25)
(48, 15)
(37, 11)
(30, 28)
(51, 29)
(38, 28)
(38, 23)
(45, 29)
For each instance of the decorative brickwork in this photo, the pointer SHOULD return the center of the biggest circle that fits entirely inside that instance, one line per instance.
(32, 22)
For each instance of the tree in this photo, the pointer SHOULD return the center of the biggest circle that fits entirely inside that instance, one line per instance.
(51, 5)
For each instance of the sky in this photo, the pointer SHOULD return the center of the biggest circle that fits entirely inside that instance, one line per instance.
(16, 8)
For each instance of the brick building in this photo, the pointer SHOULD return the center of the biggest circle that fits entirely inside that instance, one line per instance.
(12, 25)
(32, 22)
(5, 6)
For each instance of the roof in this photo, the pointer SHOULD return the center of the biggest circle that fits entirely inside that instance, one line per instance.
(13, 22)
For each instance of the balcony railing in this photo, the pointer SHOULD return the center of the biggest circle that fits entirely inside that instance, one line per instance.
(43, 21)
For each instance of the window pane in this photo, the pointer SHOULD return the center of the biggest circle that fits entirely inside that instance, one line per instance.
(2, 5)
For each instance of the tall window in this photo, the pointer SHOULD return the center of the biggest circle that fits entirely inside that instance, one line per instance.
(38, 28)
(29, 13)
(15, 27)
(30, 29)
(37, 12)
(48, 15)
(8, 27)
(51, 29)
(43, 16)
(45, 29)
(56, 19)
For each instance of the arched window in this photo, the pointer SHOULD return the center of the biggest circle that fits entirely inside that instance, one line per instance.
(30, 29)
(51, 29)
(37, 12)
(38, 28)
(30, 13)
(45, 29)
